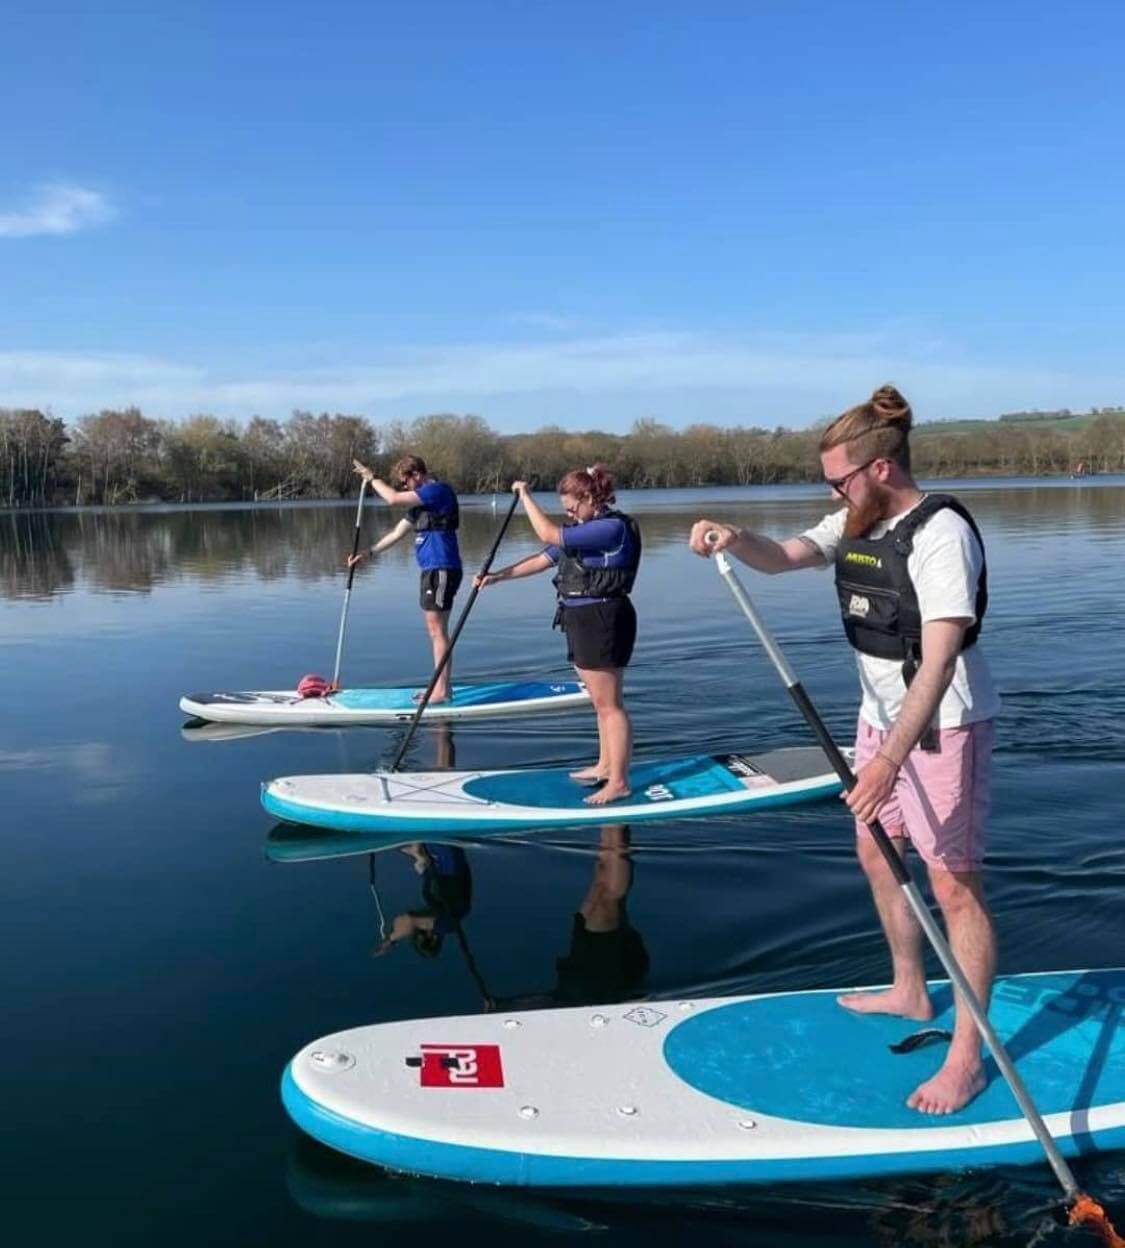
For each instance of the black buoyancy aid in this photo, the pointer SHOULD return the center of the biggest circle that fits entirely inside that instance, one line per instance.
(426, 521)
(577, 579)
(877, 598)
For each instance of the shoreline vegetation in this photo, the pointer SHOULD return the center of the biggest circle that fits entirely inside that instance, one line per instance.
(122, 456)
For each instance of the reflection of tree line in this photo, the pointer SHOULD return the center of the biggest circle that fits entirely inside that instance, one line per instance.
(124, 456)
(34, 562)
(44, 552)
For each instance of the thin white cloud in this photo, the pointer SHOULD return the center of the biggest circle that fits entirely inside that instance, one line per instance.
(550, 322)
(605, 380)
(57, 209)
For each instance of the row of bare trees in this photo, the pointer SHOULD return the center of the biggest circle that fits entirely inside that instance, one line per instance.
(125, 456)
(31, 448)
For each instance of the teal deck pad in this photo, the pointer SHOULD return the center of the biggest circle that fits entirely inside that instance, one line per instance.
(804, 1057)
(402, 699)
(552, 787)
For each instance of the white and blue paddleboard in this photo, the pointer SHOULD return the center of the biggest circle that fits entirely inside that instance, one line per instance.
(377, 705)
(470, 802)
(771, 1088)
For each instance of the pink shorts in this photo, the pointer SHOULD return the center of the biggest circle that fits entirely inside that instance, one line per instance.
(940, 801)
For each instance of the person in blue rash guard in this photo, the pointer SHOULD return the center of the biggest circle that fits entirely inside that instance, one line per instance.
(433, 519)
(596, 555)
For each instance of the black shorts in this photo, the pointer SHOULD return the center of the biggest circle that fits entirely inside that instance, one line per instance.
(600, 634)
(601, 966)
(438, 587)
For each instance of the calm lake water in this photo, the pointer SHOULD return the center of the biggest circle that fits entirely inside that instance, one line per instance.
(161, 968)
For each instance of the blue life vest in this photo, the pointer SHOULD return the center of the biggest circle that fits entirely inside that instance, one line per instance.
(609, 574)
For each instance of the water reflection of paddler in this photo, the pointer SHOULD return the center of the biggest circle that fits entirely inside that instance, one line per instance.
(447, 894)
(607, 960)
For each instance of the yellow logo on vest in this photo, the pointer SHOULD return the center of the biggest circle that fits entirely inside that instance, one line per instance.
(858, 605)
(868, 561)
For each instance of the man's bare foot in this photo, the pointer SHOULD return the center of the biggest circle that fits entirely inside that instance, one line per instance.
(609, 793)
(589, 775)
(891, 1001)
(951, 1089)
(436, 696)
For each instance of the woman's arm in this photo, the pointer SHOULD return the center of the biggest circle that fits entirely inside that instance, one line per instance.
(526, 567)
(546, 530)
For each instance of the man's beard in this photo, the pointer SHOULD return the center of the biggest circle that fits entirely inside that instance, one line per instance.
(862, 517)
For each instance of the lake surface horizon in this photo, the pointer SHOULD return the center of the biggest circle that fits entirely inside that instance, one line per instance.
(164, 963)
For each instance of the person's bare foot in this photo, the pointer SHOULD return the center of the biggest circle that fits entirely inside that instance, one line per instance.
(951, 1089)
(609, 793)
(436, 696)
(898, 1001)
(588, 775)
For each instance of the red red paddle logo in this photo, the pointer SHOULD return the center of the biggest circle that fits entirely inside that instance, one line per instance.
(459, 1066)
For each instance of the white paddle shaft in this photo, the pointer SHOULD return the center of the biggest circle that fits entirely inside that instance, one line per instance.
(348, 590)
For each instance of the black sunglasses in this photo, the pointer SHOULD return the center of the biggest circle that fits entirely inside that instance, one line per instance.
(840, 484)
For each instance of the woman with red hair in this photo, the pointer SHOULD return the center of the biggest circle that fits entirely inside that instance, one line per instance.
(596, 554)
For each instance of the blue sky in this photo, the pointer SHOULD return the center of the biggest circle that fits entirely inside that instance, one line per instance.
(579, 212)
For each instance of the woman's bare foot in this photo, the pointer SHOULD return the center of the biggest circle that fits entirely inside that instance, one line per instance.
(898, 1001)
(609, 793)
(951, 1089)
(589, 775)
(438, 695)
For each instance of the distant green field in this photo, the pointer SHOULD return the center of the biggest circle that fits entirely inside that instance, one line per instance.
(1030, 424)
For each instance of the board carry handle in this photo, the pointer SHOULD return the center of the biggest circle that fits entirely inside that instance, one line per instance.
(425, 699)
(1082, 1207)
(348, 590)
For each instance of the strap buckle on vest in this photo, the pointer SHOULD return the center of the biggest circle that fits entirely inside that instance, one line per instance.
(928, 742)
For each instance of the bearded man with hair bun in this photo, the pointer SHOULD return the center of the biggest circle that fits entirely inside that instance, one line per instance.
(913, 589)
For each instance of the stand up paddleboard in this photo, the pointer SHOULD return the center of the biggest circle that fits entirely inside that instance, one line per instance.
(770, 1088)
(284, 708)
(427, 802)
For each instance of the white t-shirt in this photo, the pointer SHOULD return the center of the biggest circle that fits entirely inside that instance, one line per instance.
(944, 565)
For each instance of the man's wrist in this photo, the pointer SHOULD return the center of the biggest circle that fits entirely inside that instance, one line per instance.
(888, 759)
